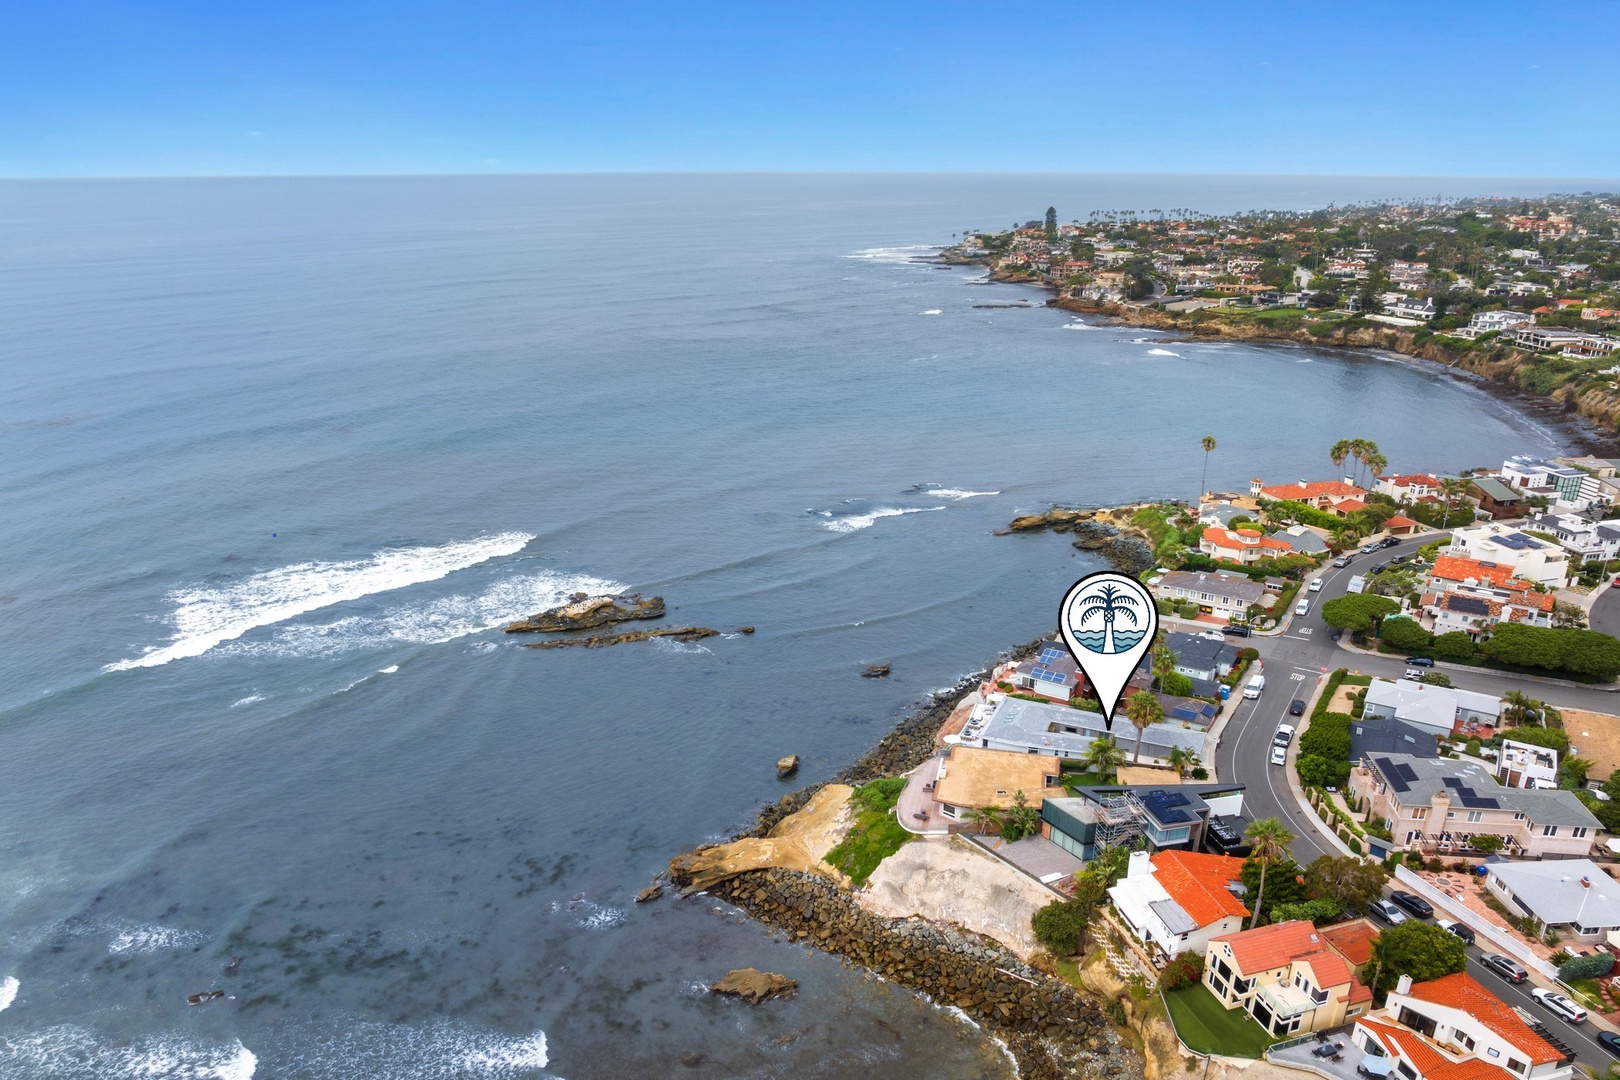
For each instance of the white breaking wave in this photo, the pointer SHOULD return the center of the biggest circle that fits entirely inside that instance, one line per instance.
(428, 622)
(1078, 326)
(932, 311)
(440, 1051)
(389, 670)
(957, 493)
(205, 617)
(68, 1052)
(1162, 352)
(151, 938)
(907, 254)
(251, 699)
(8, 991)
(855, 522)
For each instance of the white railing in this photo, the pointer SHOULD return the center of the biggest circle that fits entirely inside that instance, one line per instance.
(1500, 939)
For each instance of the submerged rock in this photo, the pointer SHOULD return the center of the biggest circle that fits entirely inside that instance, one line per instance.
(786, 767)
(587, 612)
(744, 630)
(876, 671)
(755, 986)
(597, 641)
(206, 995)
(233, 965)
(649, 894)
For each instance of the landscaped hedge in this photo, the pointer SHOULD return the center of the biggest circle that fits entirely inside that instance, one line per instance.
(1594, 966)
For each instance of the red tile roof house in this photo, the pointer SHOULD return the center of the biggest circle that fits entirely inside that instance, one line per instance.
(1454, 1029)
(1410, 487)
(1321, 494)
(1175, 901)
(1401, 525)
(1241, 545)
(1287, 977)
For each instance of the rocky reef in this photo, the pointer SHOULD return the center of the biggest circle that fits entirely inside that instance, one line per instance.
(597, 641)
(584, 612)
(1107, 532)
(755, 986)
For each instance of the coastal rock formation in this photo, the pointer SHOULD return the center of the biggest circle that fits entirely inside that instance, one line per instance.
(1108, 532)
(798, 842)
(959, 883)
(786, 767)
(649, 894)
(755, 986)
(1051, 1029)
(584, 612)
(597, 641)
(876, 671)
(743, 630)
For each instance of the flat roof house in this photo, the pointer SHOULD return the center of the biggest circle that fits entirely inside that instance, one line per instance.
(1436, 709)
(1286, 976)
(1176, 901)
(1175, 817)
(972, 778)
(1438, 805)
(1576, 897)
(1216, 593)
(1453, 1028)
(1536, 561)
(1036, 727)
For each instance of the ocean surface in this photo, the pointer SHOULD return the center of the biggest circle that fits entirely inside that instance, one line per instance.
(278, 458)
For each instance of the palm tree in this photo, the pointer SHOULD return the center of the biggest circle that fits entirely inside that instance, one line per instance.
(1110, 603)
(987, 818)
(1143, 709)
(1376, 464)
(1208, 443)
(1268, 843)
(1183, 760)
(1453, 488)
(1164, 662)
(1519, 707)
(1338, 452)
(1102, 758)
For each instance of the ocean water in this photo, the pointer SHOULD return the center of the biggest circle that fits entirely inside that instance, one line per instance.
(279, 457)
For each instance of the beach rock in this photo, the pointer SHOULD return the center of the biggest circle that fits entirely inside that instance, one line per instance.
(744, 630)
(755, 986)
(876, 671)
(588, 612)
(649, 894)
(205, 996)
(786, 767)
(597, 641)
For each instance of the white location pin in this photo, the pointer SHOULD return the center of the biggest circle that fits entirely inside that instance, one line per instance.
(1109, 622)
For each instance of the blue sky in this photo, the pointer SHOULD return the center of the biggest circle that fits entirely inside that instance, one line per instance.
(123, 87)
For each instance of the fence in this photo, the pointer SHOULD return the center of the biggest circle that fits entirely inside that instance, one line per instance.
(1488, 932)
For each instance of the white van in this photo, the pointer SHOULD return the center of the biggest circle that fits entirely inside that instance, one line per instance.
(1252, 688)
(1303, 607)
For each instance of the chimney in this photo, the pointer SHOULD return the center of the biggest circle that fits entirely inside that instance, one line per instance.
(1141, 864)
(1403, 985)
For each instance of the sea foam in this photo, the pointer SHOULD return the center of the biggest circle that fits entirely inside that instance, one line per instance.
(207, 616)
(1162, 352)
(440, 1051)
(910, 253)
(69, 1052)
(856, 522)
(956, 494)
(8, 991)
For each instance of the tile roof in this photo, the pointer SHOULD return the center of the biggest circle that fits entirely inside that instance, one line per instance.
(1273, 946)
(1400, 521)
(1457, 568)
(1353, 939)
(1242, 539)
(1461, 991)
(1312, 489)
(1198, 883)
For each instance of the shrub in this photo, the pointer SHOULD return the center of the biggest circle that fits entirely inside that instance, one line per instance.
(880, 795)
(1184, 970)
(1323, 910)
(1354, 845)
(1414, 859)
(1114, 1009)
(1434, 866)
(1404, 633)
(1060, 926)
(1200, 773)
(1593, 966)
(1177, 685)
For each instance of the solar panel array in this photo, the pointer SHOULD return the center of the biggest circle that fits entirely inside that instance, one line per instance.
(1050, 654)
(1516, 541)
(1048, 675)
(1164, 805)
(1469, 797)
(1400, 777)
(1471, 605)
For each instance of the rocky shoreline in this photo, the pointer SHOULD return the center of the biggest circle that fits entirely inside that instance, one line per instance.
(1052, 1030)
(1104, 531)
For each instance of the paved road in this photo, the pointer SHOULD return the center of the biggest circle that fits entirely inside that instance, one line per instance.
(1605, 615)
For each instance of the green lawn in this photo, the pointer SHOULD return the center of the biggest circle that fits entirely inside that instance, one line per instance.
(1072, 780)
(1208, 1028)
(1357, 680)
(876, 834)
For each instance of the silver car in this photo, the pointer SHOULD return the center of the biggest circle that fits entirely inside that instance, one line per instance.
(1387, 911)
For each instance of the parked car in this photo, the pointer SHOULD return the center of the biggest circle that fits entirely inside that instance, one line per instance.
(1389, 542)
(1413, 903)
(1387, 911)
(1296, 707)
(1413, 673)
(1344, 560)
(1279, 755)
(1560, 1006)
(1368, 549)
(1337, 634)
(1504, 967)
(1609, 1041)
(1462, 930)
(1315, 585)
(1419, 661)
(1284, 735)
(1236, 631)
(1252, 688)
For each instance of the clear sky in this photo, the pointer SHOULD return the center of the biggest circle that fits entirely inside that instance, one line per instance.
(145, 87)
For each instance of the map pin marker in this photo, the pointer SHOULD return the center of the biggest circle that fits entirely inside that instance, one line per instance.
(1109, 622)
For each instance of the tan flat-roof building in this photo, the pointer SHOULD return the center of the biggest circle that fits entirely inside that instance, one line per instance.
(974, 779)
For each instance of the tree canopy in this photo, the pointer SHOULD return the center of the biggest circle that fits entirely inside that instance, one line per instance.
(1358, 612)
(1352, 882)
(1404, 633)
(1419, 949)
(1585, 652)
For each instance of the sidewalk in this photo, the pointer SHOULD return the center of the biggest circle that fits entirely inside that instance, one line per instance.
(1295, 788)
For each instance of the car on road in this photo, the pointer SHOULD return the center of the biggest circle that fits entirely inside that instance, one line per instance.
(1383, 909)
(1315, 585)
(1344, 560)
(1390, 542)
(1413, 903)
(1413, 673)
(1284, 735)
(1368, 549)
(1560, 1006)
(1337, 634)
(1419, 661)
(1462, 930)
(1380, 568)
(1236, 631)
(1504, 967)
(1609, 1041)
(1252, 688)
(1296, 707)
(1279, 755)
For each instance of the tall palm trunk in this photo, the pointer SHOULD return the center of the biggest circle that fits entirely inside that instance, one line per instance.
(1136, 755)
(1259, 894)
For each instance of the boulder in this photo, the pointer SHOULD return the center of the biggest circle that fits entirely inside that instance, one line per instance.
(786, 767)
(586, 612)
(876, 671)
(649, 894)
(755, 986)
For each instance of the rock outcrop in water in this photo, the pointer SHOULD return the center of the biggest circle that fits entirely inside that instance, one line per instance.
(755, 986)
(876, 671)
(1108, 533)
(584, 612)
(597, 641)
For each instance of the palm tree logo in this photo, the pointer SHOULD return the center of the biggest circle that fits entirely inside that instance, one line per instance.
(1110, 602)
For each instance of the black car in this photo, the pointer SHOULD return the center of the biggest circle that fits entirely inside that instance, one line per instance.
(1390, 542)
(1235, 631)
(1462, 930)
(1296, 707)
(1380, 568)
(1609, 1041)
(1419, 661)
(1337, 634)
(1504, 967)
(1415, 904)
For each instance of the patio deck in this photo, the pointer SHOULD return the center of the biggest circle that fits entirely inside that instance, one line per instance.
(914, 800)
(1299, 1056)
(1034, 855)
